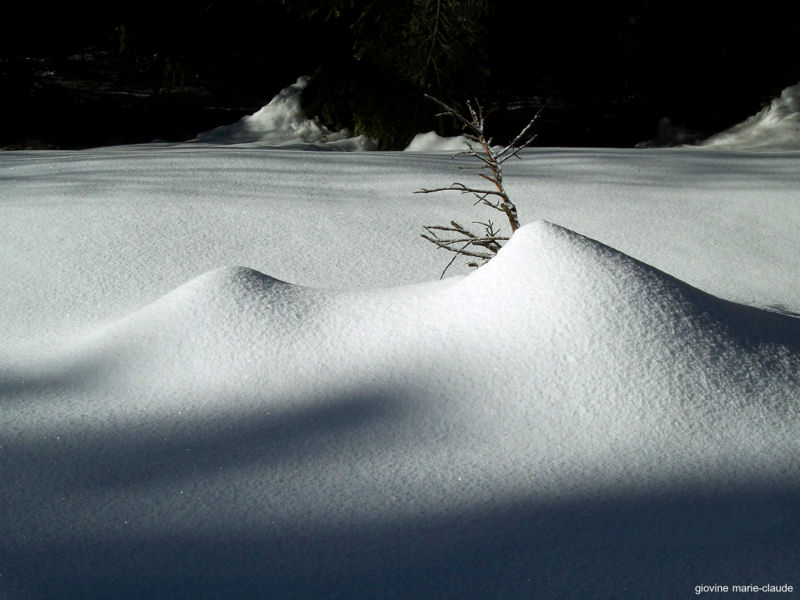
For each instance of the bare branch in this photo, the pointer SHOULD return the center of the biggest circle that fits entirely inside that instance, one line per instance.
(450, 111)
(458, 187)
(515, 146)
(494, 181)
(456, 238)
(443, 244)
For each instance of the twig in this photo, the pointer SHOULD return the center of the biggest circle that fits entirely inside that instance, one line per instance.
(491, 160)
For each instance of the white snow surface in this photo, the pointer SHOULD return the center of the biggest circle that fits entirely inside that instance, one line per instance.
(609, 408)
(433, 142)
(775, 127)
(282, 123)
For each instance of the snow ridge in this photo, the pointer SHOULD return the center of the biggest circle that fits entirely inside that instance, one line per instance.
(571, 318)
(562, 391)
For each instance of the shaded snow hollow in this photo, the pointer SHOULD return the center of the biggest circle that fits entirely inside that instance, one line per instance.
(564, 409)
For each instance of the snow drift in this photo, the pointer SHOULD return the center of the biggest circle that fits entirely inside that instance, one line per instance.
(776, 127)
(282, 123)
(433, 142)
(564, 409)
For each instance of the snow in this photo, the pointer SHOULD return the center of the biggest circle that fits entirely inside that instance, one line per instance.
(775, 127)
(433, 142)
(281, 123)
(608, 408)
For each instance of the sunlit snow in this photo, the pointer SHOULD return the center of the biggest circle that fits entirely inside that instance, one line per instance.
(281, 123)
(232, 372)
(775, 127)
(433, 142)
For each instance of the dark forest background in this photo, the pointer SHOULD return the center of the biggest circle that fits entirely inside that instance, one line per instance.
(91, 73)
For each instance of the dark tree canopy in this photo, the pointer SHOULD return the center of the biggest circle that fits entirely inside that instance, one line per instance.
(390, 55)
(610, 70)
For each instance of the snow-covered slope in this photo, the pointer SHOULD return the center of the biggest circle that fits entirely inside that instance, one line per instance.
(774, 128)
(568, 421)
(563, 409)
(94, 235)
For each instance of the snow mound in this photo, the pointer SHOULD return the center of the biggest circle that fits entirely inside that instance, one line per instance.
(433, 142)
(776, 127)
(574, 326)
(487, 425)
(282, 123)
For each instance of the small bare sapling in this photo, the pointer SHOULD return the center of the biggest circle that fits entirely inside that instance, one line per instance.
(461, 241)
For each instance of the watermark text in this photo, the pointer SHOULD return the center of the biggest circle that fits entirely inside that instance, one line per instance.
(750, 588)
